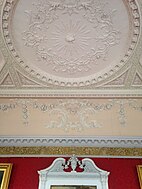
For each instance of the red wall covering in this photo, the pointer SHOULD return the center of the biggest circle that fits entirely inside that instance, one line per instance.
(123, 173)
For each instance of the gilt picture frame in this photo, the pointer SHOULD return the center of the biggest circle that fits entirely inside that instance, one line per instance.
(72, 187)
(5, 173)
(139, 170)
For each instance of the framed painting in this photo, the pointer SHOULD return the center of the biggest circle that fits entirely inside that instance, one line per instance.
(139, 170)
(73, 187)
(5, 172)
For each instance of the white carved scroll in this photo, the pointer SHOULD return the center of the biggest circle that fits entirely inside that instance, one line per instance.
(56, 174)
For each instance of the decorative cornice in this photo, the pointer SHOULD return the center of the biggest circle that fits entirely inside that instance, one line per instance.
(80, 151)
(102, 141)
(128, 93)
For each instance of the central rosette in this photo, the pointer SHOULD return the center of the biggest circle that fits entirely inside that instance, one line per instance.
(70, 38)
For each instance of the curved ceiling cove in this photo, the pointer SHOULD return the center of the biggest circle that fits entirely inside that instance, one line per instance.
(74, 42)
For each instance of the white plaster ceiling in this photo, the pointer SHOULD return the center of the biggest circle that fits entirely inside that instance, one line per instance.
(70, 48)
(63, 47)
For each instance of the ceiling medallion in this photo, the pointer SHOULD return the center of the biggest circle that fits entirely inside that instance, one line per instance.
(71, 43)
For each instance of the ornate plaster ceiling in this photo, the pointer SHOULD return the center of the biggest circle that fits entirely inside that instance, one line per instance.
(63, 47)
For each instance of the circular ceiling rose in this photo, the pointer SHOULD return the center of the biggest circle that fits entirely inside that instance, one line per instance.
(71, 42)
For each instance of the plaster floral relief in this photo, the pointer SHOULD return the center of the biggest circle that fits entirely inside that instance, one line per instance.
(71, 37)
(75, 115)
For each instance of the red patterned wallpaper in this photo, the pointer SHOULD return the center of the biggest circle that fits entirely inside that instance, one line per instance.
(123, 173)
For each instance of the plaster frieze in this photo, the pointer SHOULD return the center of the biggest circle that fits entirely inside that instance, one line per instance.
(72, 114)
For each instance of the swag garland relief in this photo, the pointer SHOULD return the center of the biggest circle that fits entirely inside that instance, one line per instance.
(71, 42)
(72, 114)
